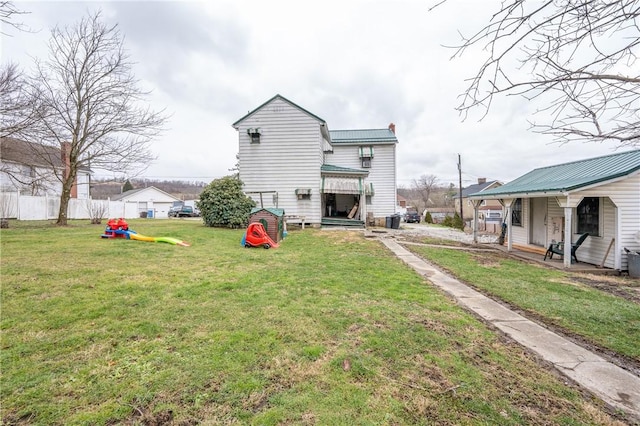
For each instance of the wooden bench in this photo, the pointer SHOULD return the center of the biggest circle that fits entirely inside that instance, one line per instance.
(295, 219)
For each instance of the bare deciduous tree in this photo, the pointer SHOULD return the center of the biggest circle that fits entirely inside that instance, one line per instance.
(8, 13)
(579, 58)
(90, 104)
(16, 107)
(423, 186)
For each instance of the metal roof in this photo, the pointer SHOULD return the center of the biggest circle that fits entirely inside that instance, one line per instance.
(370, 136)
(568, 177)
(327, 168)
(272, 210)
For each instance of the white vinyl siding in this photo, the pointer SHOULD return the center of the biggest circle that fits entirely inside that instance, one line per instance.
(555, 215)
(621, 209)
(37, 181)
(381, 173)
(619, 219)
(288, 157)
(520, 234)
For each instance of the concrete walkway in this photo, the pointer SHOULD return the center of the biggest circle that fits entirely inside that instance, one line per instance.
(614, 385)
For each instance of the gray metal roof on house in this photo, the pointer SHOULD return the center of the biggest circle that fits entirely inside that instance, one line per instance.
(568, 177)
(283, 99)
(477, 187)
(327, 168)
(369, 136)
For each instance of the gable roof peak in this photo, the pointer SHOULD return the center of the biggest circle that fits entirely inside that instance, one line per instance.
(277, 97)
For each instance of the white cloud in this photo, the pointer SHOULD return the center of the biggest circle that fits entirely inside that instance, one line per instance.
(356, 64)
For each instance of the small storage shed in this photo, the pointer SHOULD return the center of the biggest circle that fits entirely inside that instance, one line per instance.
(272, 220)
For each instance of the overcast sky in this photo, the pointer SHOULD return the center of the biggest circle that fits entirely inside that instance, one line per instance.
(357, 64)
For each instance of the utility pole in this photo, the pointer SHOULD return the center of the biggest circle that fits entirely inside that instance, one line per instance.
(460, 184)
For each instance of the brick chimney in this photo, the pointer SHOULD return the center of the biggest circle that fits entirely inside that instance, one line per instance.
(392, 127)
(65, 152)
(482, 180)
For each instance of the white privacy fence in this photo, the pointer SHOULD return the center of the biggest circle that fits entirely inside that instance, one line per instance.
(27, 207)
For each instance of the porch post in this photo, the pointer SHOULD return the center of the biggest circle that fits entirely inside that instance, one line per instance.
(363, 202)
(508, 202)
(567, 237)
(568, 203)
(476, 203)
(617, 260)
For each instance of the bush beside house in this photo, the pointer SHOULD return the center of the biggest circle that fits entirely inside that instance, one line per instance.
(223, 204)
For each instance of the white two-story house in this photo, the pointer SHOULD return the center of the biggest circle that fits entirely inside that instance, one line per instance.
(289, 159)
(37, 170)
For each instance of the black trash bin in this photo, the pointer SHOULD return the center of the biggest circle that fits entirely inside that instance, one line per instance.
(634, 264)
(388, 222)
(395, 223)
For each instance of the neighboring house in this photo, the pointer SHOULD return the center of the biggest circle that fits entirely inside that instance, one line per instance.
(439, 214)
(152, 202)
(402, 202)
(289, 159)
(35, 169)
(599, 195)
(493, 208)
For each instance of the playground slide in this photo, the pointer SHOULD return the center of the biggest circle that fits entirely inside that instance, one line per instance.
(256, 236)
(139, 237)
(172, 241)
(133, 235)
(270, 240)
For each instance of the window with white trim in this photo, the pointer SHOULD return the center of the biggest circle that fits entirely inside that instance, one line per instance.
(516, 212)
(254, 133)
(366, 155)
(588, 216)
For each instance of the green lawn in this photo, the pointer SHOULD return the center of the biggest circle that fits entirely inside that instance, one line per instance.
(330, 328)
(609, 321)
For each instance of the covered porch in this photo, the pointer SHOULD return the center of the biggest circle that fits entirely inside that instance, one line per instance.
(343, 194)
(539, 222)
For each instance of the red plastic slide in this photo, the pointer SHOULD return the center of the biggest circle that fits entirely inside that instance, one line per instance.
(257, 236)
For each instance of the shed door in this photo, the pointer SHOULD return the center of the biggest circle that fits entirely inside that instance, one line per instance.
(538, 235)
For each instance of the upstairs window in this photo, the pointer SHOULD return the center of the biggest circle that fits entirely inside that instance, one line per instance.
(366, 155)
(588, 216)
(254, 133)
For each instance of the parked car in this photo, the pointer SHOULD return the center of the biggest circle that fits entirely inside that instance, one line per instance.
(412, 217)
(181, 211)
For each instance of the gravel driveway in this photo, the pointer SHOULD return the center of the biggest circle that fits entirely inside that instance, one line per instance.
(444, 233)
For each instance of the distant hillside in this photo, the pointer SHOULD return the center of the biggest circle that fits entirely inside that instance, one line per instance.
(103, 189)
